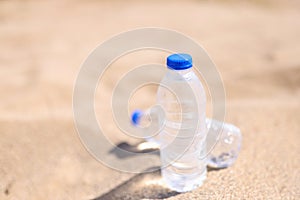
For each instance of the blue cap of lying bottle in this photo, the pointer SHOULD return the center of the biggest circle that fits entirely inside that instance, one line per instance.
(136, 116)
(179, 61)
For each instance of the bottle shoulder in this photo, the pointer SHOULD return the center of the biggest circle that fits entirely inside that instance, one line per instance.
(177, 86)
(178, 81)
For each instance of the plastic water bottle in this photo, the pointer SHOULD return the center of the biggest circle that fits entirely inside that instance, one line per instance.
(183, 137)
(224, 138)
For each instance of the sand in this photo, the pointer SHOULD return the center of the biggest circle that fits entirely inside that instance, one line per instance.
(256, 47)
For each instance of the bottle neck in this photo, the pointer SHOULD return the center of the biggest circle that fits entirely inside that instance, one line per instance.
(186, 74)
(181, 72)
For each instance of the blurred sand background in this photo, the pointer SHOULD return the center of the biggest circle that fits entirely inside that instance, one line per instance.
(255, 44)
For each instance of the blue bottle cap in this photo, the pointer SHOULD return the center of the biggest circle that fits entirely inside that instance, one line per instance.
(136, 116)
(179, 61)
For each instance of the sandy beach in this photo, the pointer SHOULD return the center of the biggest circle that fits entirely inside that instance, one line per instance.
(255, 45)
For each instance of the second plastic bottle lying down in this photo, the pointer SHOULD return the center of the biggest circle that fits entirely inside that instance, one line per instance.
(183, 138)
(225, 139)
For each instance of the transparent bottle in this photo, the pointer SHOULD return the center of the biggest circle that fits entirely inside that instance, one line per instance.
(183, 137)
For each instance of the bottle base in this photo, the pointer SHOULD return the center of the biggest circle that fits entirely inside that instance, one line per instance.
(183, 183)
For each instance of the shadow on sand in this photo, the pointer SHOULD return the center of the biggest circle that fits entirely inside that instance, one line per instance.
(142, 186)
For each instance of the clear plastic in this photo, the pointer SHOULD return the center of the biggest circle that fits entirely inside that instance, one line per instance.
(183, 137)
(224, 139)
